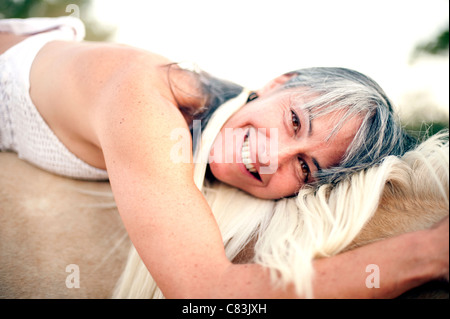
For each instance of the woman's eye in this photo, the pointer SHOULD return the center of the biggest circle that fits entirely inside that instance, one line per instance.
(295, 121)
(304, 168)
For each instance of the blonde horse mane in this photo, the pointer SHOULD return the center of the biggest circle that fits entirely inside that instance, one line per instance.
(399, 195)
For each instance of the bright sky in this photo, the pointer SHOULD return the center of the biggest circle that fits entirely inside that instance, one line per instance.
(251, 41)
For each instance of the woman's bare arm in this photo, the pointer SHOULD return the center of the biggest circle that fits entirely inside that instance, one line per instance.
(166, 216)
(395, 265)
(401, 263)
(175, 233)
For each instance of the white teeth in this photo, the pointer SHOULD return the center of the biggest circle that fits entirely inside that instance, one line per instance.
(245, 154)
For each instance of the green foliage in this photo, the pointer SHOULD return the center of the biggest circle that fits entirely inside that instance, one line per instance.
(438, 45)
(55, 8)
(15, 8)
(435, 46)
(425, 129)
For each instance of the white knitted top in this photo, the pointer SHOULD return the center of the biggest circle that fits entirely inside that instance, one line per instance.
(22, 129)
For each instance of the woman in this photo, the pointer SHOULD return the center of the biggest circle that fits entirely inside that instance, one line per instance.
(111, 113)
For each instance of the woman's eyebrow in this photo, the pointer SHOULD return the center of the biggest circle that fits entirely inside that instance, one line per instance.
(316, 163)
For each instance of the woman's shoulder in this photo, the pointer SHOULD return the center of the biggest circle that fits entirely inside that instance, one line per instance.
(100, 59)
(120, 71)
(88, 72)
(77, 87)
(96, 61)
(121, 55)
(119, 79)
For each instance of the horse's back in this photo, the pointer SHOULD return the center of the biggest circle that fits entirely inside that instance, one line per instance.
(59, 238)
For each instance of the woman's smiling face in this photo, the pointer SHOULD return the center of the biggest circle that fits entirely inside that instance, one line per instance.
(271, 147)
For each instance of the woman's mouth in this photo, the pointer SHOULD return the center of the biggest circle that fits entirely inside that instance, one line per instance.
(246, 158)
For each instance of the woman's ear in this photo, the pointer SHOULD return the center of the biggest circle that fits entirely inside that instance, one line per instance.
(276, 83)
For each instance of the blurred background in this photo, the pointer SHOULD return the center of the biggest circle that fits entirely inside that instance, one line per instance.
(401, 44)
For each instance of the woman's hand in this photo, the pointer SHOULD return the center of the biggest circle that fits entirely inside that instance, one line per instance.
(402, 262)
(439, 244)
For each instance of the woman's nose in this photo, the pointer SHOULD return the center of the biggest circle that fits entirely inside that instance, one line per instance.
(267, 143)
(274, 153)
(286, 153)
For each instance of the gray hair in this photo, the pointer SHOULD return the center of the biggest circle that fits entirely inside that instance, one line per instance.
(353, 94)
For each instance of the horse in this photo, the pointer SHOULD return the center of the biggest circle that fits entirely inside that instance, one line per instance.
(63, 238)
